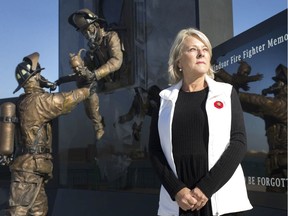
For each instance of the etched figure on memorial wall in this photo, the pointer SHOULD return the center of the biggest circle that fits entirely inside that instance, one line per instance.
(143, 103)
(273, 110)
(32, 166)
(129, 126)
(241, 79)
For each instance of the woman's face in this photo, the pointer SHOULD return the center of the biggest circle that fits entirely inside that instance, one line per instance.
(195, 58)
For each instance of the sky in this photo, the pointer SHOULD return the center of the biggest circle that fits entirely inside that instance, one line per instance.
(27, 26)
(32, 26)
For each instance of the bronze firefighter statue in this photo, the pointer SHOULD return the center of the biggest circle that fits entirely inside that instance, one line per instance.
(102, 61)
(105, 55)
(32, 167)
(273, 110)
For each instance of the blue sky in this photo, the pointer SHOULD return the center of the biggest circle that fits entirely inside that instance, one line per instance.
(248, 13)
(27, 26)
(30, 25)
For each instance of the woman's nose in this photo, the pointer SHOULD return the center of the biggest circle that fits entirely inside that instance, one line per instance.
(200, 53)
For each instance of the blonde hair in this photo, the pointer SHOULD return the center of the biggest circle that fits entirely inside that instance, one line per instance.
(175, 75)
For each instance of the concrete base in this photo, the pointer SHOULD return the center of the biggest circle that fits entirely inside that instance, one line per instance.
(72, 202)
(103, 203)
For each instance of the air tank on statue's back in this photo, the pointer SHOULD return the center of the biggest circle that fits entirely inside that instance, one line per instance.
(7, 128)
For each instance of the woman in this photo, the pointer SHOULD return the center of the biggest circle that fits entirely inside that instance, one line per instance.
(197, 137)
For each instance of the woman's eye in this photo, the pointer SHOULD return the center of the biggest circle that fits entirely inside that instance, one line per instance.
(193, 49)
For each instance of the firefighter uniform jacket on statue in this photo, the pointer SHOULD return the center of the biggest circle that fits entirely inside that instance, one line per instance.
(107, 58)
(33, 166)
(103, 61)
(105, 54)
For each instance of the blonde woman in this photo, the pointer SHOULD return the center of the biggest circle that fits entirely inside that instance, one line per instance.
(197, 137)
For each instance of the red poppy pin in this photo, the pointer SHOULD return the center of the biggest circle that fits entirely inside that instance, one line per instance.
(218, 104)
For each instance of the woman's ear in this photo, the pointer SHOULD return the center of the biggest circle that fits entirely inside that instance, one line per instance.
(179, 64)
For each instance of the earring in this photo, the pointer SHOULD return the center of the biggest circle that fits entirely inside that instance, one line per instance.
(180, 69)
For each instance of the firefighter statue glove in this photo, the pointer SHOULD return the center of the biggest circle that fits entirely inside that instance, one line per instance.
(87, 75)
(93, 87)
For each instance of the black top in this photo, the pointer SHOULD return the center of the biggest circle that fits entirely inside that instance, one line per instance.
(190, 137)
(190, 148)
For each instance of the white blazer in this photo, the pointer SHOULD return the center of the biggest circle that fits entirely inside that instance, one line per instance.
(232, 197)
